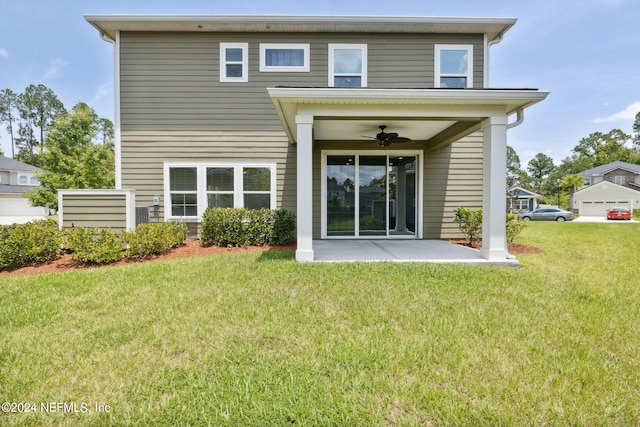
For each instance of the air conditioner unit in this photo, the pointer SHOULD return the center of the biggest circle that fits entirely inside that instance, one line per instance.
(142, 215)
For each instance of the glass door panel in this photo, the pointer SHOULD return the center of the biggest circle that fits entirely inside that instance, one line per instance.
(372, 194)
(402, 195)
(341, 178)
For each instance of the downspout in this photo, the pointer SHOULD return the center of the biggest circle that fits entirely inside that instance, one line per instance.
(497, 40)
(106, 38)
(116, 119)
(519, 119)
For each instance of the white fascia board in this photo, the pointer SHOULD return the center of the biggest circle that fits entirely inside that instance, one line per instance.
(494, 28)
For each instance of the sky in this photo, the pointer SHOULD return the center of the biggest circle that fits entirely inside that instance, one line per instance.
(586, 53)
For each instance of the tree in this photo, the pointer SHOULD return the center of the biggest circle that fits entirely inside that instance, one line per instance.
(539, 169)
(8, 105)
(572, 182)
(513, 167)
(38, 106)
(601, 148)
(73, 157)
(636, 131)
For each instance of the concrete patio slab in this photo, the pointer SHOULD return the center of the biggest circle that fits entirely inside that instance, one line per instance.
(401, 250)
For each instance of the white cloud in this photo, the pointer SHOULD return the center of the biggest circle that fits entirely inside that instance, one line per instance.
(628, 113)
(4, 53)
(55, 68)
(104, 90)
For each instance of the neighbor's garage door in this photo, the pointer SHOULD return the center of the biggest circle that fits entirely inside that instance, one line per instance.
(600, 207)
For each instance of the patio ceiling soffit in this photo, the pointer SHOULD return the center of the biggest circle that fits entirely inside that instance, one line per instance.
(437, 117)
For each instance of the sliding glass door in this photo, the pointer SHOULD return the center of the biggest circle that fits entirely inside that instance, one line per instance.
(370, 196)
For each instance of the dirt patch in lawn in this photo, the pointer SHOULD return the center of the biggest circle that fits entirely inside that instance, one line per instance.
(188, 249)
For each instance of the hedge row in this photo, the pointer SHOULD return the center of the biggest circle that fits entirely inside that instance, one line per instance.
(28, 244)
(231, 227)
(91, 245)
(40, 241)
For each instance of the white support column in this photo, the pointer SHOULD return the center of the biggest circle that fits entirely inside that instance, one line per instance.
(304, 194)
(494, 185)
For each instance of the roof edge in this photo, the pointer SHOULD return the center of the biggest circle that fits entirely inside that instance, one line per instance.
(493, 27)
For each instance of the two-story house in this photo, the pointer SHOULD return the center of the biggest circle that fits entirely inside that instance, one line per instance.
(616, 184)
(296, 112)
(16, 179)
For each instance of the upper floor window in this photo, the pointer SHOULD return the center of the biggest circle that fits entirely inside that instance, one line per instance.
(23, 180)
(234, 62)
(284, 57)
(347, 65)
(619, 179)
(587, 181)
(454, 66)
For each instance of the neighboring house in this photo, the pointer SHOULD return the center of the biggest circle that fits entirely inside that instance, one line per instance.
(16, 179)
(283, 112)
(519, 199)
(616, 184)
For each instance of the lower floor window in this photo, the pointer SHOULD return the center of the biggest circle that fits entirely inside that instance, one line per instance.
(191, 188)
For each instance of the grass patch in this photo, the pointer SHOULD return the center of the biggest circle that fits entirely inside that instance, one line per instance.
(258, 339)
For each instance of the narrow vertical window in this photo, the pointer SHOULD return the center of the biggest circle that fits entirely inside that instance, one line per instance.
(220, 186)
(256, 186)
(183, 187)
(347, 65)
(234, 62)
(454, 66)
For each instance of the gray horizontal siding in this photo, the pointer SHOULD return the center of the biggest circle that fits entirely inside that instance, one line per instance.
(171, 80)
(453, 178)
(105, 211)
(144, 155)
(174, 108)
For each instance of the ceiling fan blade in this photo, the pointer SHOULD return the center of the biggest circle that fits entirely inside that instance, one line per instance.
(400, 139)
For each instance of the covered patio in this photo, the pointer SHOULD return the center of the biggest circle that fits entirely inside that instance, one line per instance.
(435, 251)
(432, 118)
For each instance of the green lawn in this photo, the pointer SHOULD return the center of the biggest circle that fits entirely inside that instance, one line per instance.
(256, 339)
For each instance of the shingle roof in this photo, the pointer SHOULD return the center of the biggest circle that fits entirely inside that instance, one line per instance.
(601, 170)
(9, 164)
(16, 189)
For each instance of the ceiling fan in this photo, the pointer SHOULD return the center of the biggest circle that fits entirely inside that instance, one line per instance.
(385, 139)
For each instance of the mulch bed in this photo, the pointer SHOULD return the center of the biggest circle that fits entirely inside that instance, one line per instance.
(514, 248)
(193, 248)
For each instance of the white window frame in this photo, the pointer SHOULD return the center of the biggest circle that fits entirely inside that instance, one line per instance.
(363, 74)
(323, 190)
(201, 188)
(284, 69)
(469, 74)
(619, 179)
(169, 192)
(244, 62)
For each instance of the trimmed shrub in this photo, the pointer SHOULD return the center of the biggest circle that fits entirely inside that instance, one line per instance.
(514, 226)
(230, 227)
(28, 244)
(154, 238)
(92, 245)
(470, 223)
